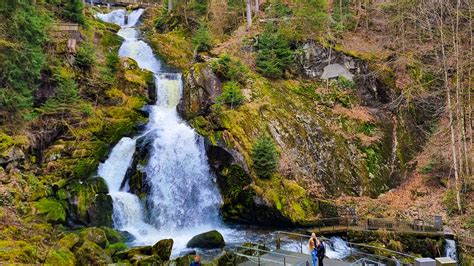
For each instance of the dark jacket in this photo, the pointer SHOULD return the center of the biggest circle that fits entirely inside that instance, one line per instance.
(321, 250)
(195, 264)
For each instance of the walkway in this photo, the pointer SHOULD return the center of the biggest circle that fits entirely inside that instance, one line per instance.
(288, 258)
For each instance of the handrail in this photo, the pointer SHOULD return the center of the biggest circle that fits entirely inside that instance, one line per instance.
(259, 257)
(364, 260)
(350, 243)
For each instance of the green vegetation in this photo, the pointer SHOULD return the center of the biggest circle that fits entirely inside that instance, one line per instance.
(274, 53)
(53, 210)
(228, 68)
(73, 11)
(265, 157)
(231, 94)
(85, 57)
(21, 54)
(202, 41)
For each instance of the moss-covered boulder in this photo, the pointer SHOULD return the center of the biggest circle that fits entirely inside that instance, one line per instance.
(17, 251)
(69, 241)
(89, 253)
(113, 236)
(146, 260)
(90, 204)
(60, 256)
(129, 253)
(163, 249)
(95, 235)
(208, 240)
(201, 88)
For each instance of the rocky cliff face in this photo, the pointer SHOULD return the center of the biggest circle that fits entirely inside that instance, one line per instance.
(336, 136)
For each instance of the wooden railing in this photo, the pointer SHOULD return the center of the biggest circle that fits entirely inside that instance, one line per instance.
(336, 224)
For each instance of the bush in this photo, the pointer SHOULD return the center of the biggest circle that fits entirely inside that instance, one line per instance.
(231, 94)
(228, 68)
(73, 11)
(278, 10)
(344, 83)
(113, 61)
(201, 40)
(85, 57)
(274, 53)
(265, 157)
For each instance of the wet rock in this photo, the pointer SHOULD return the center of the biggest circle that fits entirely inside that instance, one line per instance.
(207, 240)
(146, 260)
(91, 254)
(129, 253)
(113, 236)
(202, 86)
(100, 212)
(95, 235)
(163, 249)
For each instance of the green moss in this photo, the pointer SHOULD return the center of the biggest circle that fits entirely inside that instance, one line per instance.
(91, 254)
(54, 211)
(60, 257)
(174, 47)
(17, 252)
(113, 236)
(68, 241)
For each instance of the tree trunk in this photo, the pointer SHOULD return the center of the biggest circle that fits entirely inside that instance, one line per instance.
(257, 6)
(249, 14)
(170, 5)
(450, 112)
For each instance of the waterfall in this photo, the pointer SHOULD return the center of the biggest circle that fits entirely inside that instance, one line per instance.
(450, 249)
(337, 248)
(184, 199)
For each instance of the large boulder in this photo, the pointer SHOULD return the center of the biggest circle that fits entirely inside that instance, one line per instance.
(207, 240)
(91, 254)
(95, 235)
(202, 86)
(163, 249)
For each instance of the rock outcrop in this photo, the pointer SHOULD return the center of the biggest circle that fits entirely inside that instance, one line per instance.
(208, 240)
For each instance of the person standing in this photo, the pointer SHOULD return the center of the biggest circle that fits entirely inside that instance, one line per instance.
(313, 243)
(196, 261)
(321, 252)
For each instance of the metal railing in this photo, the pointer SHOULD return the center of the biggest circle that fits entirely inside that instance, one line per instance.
(355, 249)
(254, 255)
(366, 262)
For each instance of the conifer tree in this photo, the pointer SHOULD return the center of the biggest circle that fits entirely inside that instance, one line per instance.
(264, 157)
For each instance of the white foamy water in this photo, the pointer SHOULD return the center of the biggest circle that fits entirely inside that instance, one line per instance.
(184, 199)
(450, 249)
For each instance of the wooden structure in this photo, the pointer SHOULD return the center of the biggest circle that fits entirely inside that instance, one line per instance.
(69, 31)
(355, 223)
(138, 3)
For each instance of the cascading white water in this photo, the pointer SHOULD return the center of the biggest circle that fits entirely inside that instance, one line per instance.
(184, 199)
(450, 249)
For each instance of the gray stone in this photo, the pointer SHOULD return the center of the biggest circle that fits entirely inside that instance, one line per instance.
(336, 70)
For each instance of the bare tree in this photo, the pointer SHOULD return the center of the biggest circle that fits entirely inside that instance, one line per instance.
(170, 5)
(249, 14)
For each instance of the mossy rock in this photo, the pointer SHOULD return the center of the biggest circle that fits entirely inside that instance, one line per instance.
(127, 254)
(17, 252)
(95, 235)
(208, 240)
(69, 241)
(114, 248)
(113, 236)
(163, 249)
(146, 260)
(60, 256)
(90, 253)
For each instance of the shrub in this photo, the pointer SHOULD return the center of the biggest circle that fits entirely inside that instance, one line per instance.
(113, 61)
(274, 53)
(201, 40)
(85, 57)
(228, 68)
(278, 10)
(265, 157)
(231, 94)
(73, 11)
(53, 210)
(344, 83)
